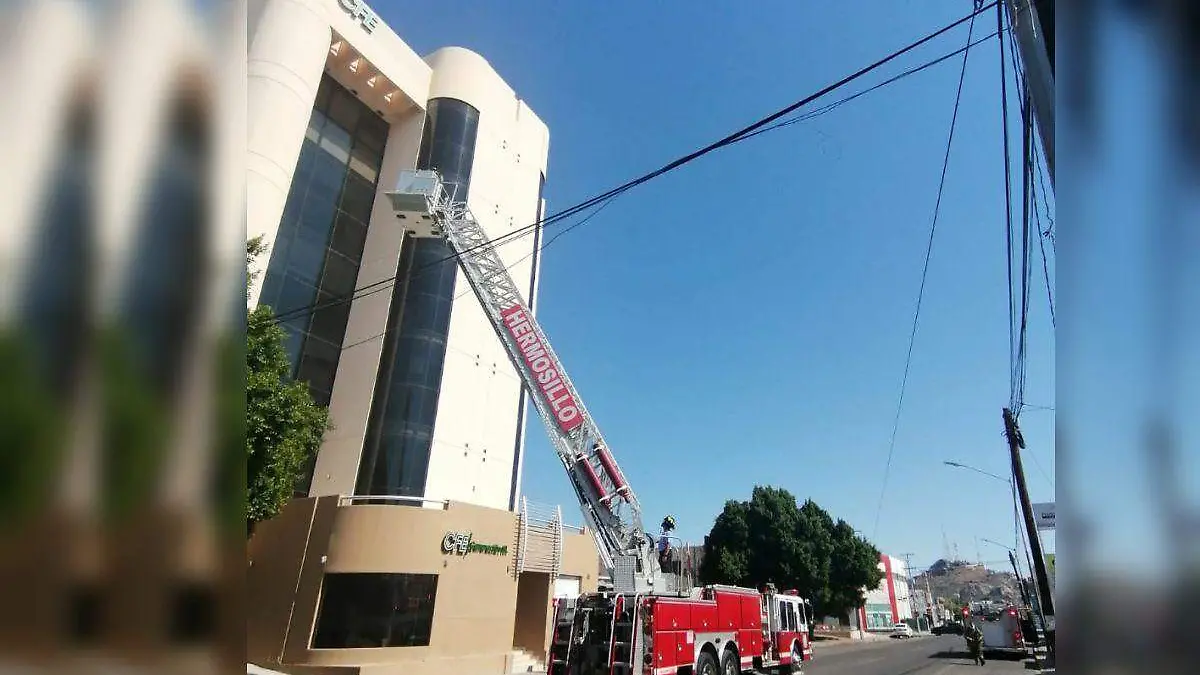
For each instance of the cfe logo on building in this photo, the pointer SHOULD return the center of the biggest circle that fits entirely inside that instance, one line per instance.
(358, 10)
(463, 543)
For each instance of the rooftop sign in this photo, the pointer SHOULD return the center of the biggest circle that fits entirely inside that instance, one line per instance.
(1044, 515)
(358, 10)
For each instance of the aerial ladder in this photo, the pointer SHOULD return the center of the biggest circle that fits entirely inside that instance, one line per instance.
(428, 206)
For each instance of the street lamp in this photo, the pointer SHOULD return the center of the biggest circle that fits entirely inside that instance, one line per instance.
(1011, 488)
(998, 544)
(971, 468)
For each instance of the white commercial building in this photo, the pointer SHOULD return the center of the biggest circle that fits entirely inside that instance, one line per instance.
(382, 326)
(890, 602)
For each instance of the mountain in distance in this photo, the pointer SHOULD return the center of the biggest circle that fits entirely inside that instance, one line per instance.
(960, 583)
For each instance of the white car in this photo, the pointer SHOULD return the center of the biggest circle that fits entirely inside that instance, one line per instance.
(902, 630)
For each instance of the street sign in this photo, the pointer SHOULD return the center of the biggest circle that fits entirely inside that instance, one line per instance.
(1043, 515)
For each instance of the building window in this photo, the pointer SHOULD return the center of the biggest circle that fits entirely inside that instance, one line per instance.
(404, 408)
(320, 240)
(319, 245)
(369, 610)
(879, 616)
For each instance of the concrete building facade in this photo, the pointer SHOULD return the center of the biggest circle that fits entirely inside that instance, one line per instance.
(890, 602)
(409, 548)
(382, 326)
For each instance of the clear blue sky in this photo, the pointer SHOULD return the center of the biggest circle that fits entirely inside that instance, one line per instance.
(744, 320)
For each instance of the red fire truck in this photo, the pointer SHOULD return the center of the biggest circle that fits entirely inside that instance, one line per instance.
(1002, 632)
(652, 621)
(716, 629)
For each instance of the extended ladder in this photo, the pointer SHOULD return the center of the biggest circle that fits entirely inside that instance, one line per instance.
(607, 500)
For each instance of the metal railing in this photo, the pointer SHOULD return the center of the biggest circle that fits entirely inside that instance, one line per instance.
(349, 500)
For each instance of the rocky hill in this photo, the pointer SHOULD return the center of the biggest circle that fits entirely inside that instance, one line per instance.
(961, 582)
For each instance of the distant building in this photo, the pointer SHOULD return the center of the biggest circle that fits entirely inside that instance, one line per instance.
(891, 602)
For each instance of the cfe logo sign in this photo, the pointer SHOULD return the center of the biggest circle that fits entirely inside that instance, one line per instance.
(358, 10)
(462, 543)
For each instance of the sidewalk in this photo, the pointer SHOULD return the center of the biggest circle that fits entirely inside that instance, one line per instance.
(825, 644)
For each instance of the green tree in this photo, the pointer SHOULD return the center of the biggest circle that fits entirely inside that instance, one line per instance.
(771, 539)
(854, 568)
(283, 425)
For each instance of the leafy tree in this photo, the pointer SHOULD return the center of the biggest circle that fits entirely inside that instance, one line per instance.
(32, 431)
(283, 425)
(854, 568)
(771, 539)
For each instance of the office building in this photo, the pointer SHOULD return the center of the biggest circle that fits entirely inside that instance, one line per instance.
(423, 399)
(409, 548)
(890, 602)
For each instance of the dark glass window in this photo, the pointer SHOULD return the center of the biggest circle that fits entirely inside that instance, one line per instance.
(371, 610)
(55, 302)
(159, 300)
(349, 236)
(319, 244)
(404, 408)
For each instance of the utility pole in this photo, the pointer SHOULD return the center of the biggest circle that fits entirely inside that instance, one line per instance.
(929, 600)
(1027, 27)
(1015, 443)
(1020, 584)
(908, 583)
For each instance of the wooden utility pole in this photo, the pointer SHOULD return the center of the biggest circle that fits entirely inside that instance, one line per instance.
(1015, 443)
(1028, 29)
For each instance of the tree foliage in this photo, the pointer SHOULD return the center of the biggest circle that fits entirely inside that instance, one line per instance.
(771, 539)
(283, 425)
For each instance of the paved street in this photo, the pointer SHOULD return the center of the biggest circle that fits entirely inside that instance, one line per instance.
(945, 655)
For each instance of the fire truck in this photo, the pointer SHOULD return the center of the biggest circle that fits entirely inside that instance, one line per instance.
(652, 621)
(1002, 632)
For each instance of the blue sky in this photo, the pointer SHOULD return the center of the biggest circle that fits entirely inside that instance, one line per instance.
(744, 320)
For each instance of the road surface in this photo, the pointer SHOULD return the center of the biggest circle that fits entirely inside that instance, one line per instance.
(944, 655)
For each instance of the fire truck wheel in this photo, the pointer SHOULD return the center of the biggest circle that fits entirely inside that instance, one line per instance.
(706, 664)
(729, 663)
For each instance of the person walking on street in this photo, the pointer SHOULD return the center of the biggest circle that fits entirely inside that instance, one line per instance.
(974, 638)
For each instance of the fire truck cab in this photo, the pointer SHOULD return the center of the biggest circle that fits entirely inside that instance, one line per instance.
(787, 619)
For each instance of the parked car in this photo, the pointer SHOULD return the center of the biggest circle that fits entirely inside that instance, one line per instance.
(948, 628)
(902, 630)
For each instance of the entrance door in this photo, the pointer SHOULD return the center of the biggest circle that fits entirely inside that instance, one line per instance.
(566, 587)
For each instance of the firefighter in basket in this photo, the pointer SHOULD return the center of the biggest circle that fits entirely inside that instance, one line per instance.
(664, 542)
(974, 637)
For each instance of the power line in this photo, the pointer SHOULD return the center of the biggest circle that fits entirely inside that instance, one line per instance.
(1045, 265)
(614, 192)
(1027, 195)
(1043, 234)
(467, 292)
(778, 125)
(1049, 231)
(830, 107)
(937, 207)
(1014, 396)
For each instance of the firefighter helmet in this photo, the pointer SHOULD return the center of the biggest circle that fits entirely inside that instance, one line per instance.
(668, 523)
